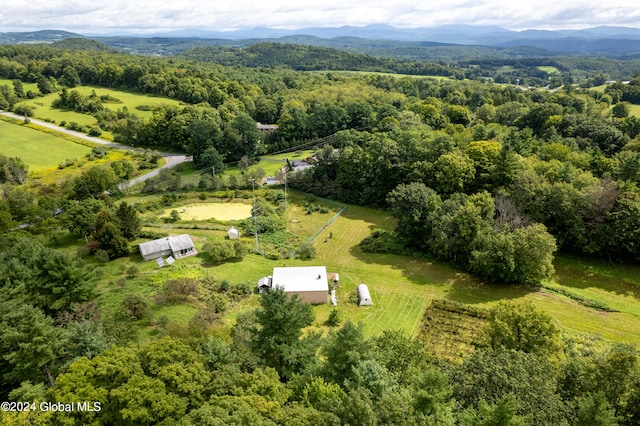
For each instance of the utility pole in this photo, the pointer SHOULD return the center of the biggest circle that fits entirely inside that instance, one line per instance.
(286, 216)
(255, 212)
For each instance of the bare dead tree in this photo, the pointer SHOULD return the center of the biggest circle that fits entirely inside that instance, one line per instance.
(507, 214)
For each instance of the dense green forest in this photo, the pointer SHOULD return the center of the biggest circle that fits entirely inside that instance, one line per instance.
(492, 178)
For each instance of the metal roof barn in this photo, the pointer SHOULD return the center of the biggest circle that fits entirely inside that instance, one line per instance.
(308, 282)
(178, 246)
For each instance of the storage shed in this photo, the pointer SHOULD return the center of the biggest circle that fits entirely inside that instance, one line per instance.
(308, 282)
(178, 246)
(233, 233)
(364, 297)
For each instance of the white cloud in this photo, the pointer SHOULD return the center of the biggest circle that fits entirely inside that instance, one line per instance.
(101, 16)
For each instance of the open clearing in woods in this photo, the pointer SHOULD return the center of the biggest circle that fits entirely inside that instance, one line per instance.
(141, 104)
(402, 287)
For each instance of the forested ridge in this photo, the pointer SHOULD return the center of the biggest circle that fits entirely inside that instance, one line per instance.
(494, 179)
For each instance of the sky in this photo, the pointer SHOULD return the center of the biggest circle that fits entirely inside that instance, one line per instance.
(151, 16)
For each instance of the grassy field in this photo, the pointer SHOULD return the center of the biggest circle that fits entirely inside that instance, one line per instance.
(218, 211)
(41, 151)
(43, 109)
(549, 69)
(271, 163)
(634, 110)
(402, 287)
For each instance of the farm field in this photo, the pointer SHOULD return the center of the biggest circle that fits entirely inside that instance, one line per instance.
(38, 149)
(402, 287)
(43, 109)
(549, 69)
(634, 110)
(218, 211)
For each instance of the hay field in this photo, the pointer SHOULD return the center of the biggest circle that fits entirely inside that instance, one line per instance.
(39, 150)
(204, 211)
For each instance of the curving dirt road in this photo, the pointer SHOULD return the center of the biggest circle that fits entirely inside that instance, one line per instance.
(172, 160)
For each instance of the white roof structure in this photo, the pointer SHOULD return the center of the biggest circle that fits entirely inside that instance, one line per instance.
(301, 279)
(364, 297)
(233, 233)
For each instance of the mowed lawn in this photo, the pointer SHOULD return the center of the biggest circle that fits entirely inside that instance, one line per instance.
(39, 150)
(402, 287)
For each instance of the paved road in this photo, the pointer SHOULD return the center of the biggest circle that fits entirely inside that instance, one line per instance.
(172, 160)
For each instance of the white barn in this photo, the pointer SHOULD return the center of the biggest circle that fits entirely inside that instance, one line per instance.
(364, 297)
(178, 246)
(308, 282)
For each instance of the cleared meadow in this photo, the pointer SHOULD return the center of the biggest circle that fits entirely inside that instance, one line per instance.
(133, 101)
(402, 287)
(219, 211)
(39, 150)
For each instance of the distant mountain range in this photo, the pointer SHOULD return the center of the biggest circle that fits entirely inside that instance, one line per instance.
(615, 42)
(452, 34)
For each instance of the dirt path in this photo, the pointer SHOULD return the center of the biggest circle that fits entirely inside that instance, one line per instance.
(172, 160)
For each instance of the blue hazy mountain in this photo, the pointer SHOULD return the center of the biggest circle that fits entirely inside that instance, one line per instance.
(619, 42)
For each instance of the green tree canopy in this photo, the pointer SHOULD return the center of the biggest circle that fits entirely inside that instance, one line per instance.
(278, 341)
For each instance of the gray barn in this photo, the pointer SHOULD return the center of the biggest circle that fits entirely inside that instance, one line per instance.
(178, 246)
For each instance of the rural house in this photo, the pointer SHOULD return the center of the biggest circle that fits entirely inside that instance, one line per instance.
(308, 282)
(178, 246)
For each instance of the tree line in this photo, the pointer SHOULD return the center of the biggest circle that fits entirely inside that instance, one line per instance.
(270, 373)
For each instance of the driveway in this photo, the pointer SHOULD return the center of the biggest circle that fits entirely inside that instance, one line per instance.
(172, 160)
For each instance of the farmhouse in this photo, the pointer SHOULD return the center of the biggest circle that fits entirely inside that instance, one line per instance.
(308, 282)
(178, 246)
(266, 128)
(298, 165)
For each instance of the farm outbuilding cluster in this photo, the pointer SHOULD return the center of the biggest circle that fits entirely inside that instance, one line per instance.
(178, 246)
(308, 282)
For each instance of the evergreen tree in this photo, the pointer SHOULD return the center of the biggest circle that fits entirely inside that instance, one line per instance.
(130, 223)
(278, 341)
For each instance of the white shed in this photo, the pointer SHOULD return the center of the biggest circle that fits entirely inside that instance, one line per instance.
(364, 297)
(233, 233)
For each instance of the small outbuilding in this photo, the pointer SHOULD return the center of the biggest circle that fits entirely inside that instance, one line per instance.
(264, 284)
(178, 246)
(233, 233)
(364, 297)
